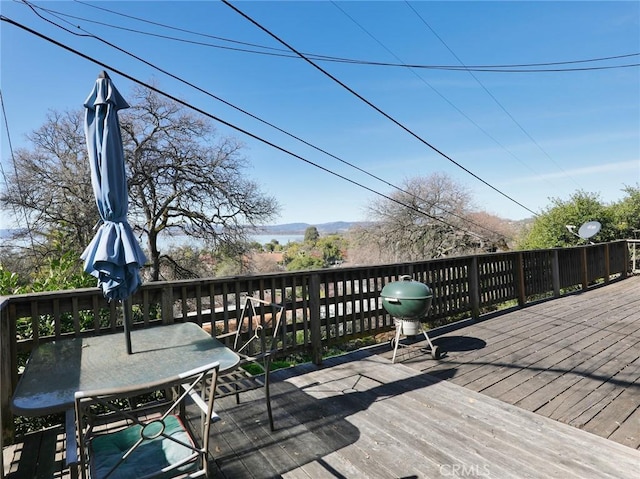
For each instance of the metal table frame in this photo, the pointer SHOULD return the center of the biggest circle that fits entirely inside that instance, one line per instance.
(57, 369)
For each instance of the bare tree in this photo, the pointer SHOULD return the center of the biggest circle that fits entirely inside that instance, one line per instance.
(182, 182)
(495, 233)
(183, 179)
(425, 221)
(50, 187)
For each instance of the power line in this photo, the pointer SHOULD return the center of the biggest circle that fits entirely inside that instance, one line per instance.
(182, 80)
(383, 113)
(492, 96)
(171, 27)
(277, 52)
(15, 171)
(228, 124)
(437, 92)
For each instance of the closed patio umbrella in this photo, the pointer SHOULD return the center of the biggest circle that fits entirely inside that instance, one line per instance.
(114, 255)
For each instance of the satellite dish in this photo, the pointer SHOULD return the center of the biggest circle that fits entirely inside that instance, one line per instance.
(589, 229)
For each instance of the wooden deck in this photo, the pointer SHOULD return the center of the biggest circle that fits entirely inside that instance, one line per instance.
(574, 361)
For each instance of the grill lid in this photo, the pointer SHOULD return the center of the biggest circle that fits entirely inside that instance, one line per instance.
(406, 299)
(406, 288)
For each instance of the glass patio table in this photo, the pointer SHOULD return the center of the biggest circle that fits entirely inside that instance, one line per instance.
(56, 370)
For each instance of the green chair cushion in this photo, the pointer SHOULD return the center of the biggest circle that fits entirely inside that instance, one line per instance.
(150, 456)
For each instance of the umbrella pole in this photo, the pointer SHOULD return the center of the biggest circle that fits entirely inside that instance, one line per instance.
(126, 320)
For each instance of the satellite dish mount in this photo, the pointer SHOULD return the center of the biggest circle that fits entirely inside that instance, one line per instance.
(587, 230)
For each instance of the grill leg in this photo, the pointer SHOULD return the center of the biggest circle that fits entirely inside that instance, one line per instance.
(398, 333)
(436, 352)
(426, 337)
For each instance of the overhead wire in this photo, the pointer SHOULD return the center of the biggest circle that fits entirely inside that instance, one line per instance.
(15, 171)
(278, 52)
(378, 109)
(492, 96)
(437, 92)
(211, 95)
(170, 27)
(226, 123)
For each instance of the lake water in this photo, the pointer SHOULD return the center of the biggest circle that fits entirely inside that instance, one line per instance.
(182, 240)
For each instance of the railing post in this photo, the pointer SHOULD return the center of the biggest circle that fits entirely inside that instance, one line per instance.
(520, 280)
(555, 273)
(314, 318)
(167, 305)
(7, 367)
(474, 288)
(3, 380)
(585, 272)
(607, 264)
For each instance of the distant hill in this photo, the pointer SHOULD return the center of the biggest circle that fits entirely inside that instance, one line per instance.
(299, 228)
(7, 233)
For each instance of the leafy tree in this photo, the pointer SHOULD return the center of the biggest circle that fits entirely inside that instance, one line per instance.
(322, 253)
(273, 245)
(304, 261)
(188, 262)
(231, 259)
(63, 271)
(549, 229)
(299, 256)
(626, 213)
(311, 234)
(9, 282)
(183, 179)
(255, 246)
(332, 247)
(59, 269)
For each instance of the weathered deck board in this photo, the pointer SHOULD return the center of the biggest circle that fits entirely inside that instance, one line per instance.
(39, 456)
(360, 416)
(574, 359)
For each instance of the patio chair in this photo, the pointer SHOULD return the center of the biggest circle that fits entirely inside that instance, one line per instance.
(120, 438)
(255, 353)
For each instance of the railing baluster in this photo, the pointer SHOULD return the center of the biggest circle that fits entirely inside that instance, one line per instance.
(314, 313)
(76, 316)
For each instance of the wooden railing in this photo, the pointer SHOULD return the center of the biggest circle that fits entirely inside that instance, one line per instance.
(323, 307)
(634, 255)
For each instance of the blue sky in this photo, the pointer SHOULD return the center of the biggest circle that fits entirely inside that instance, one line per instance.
(533, 136)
